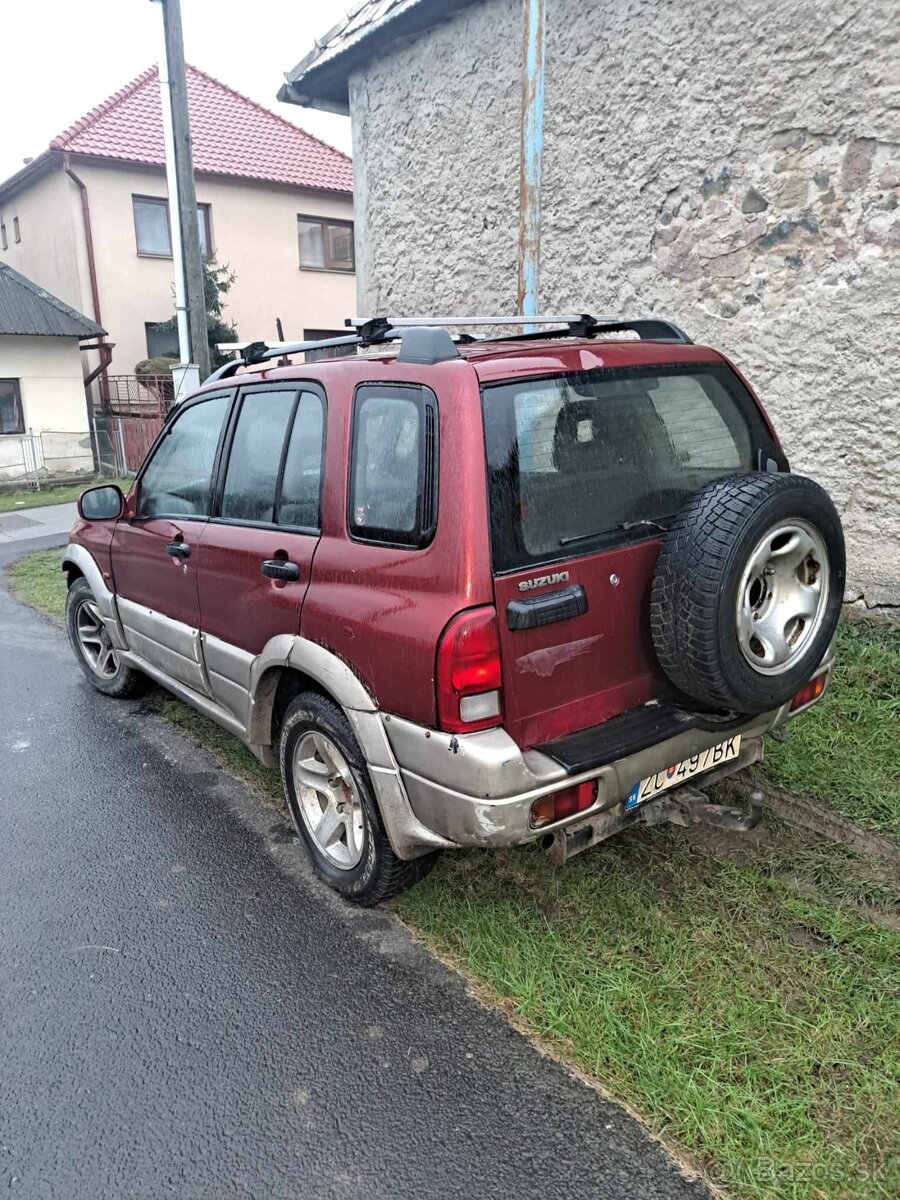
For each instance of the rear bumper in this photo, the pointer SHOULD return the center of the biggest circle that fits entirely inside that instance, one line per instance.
(477, 789)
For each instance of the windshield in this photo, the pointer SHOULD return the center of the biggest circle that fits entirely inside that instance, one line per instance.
(578, 461)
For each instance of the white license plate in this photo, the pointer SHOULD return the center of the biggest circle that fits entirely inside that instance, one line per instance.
(680, 772)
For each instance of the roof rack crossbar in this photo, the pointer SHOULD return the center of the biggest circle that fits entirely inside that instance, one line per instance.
(252, 353)
(648, 330)
(422, 345)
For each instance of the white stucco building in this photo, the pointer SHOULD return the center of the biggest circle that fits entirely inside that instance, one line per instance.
(43, 411)
(88, 219)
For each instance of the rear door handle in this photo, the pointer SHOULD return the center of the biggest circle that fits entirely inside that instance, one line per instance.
(178, 549)
(280, 568)
(546, 608)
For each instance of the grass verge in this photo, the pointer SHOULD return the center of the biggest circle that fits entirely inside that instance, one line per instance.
(39, 581)
(741, 994)
(749, 1021)
(24, 498)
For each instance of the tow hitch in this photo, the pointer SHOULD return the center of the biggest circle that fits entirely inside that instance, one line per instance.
(690, 806)
(685, 806)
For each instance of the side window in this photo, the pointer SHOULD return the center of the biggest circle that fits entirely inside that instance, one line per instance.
(176, 481)
(255, 456)
(393, 466)
(301, 483)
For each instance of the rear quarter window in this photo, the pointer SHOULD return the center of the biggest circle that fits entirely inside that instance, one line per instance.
(573, 459)
(393, 465)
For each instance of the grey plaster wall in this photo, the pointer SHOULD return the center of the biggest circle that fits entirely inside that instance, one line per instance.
(733, 166)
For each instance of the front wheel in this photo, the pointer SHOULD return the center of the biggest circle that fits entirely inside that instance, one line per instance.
(326, 784)
(93, 648)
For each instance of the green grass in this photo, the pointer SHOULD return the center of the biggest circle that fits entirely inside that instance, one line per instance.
(38, 580)
(23, 498)
(845, 752)
(750, 1024)
(740, 994)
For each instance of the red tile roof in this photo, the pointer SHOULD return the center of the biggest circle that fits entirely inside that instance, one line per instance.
(231, 135)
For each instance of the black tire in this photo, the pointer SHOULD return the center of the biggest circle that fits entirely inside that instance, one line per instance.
(379, 873)
(695, 622)
(124, 682)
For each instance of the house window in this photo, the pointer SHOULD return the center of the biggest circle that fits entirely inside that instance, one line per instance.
(16, 234)
(325, 245)
(4, 244)
(319, 335)
(11, 417)
(161, 342)
(151, 227)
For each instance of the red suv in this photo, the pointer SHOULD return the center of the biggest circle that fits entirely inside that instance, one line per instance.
(469, 592)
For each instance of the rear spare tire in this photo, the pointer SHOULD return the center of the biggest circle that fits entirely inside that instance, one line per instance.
(748, 590)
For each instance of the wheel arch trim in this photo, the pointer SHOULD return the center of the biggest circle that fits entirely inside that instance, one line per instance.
(409, 838)
(81, 558)
(294, 653)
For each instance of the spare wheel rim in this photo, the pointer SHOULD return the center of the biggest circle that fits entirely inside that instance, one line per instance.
(782, 597)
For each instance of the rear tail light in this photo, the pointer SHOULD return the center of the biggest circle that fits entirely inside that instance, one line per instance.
(811, 691)
(468, 672)
(566, 803)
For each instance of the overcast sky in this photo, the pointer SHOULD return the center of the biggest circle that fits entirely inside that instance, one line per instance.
(60, 58)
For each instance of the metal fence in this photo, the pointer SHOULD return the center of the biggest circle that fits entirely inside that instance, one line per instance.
(128, 415)
(138, 395)
(132, 412)
(50, 457)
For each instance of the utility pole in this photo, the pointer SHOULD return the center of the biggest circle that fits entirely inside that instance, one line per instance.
(531, 153)
(189, 291)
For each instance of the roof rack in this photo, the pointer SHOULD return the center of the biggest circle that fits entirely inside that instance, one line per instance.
(570, 325)
(425, 340)
(418, 345)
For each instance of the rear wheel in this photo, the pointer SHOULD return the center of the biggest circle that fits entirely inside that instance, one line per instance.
(93, 646)
(326, 784)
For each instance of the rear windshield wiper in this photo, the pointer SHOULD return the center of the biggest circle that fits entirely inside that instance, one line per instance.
(583, 537)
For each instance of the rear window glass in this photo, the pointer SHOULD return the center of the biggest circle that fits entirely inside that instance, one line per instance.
(575, 459)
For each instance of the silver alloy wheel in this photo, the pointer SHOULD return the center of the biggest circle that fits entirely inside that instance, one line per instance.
(94, 640)
(327, 799)
(782, 597)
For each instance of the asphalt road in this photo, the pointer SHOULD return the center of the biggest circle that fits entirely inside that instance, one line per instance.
(185, 1012)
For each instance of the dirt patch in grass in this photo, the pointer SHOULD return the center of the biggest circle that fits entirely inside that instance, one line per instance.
(845, 752)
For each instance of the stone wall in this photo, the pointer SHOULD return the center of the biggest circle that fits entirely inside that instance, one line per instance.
(733, 167)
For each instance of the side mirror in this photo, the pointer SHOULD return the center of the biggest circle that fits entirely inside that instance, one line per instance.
(104, 503)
